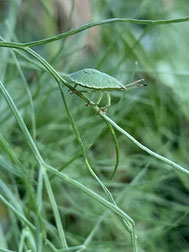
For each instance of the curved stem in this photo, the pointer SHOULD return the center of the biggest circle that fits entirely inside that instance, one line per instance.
(144, 148)
(96, 23)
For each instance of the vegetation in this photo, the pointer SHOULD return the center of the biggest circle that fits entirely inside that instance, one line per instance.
(73, 178)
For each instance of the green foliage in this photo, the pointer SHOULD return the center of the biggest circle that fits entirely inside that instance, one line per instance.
(51, 143)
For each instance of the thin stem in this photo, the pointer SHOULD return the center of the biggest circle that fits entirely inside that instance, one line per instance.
(144, 148)
(116, 143)
(17, 213)
(96, 23)
(55, 210)
(21, 123)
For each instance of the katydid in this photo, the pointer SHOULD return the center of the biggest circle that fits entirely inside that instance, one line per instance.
(93, 79)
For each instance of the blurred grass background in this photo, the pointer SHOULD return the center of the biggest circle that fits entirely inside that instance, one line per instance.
(151, 192)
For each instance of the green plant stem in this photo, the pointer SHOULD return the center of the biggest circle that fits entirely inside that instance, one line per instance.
(21, 216)
(27, 91)
(116, 143)
(144, 148)
(55, 210)
(73, 248)
(6, 250)
(29, 95)
(21, 123)
(97, 23)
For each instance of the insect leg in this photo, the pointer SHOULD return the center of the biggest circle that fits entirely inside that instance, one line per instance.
(72, 92)
(99, 98)
(108, 104)
(108, 100)
(89, 103)
(97, 102)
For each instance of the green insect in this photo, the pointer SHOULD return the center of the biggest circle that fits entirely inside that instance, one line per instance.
(94, 80)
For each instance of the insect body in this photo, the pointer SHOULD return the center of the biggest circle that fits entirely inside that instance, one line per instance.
(95, 80)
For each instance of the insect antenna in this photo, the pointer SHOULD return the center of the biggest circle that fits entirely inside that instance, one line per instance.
(135, 84)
